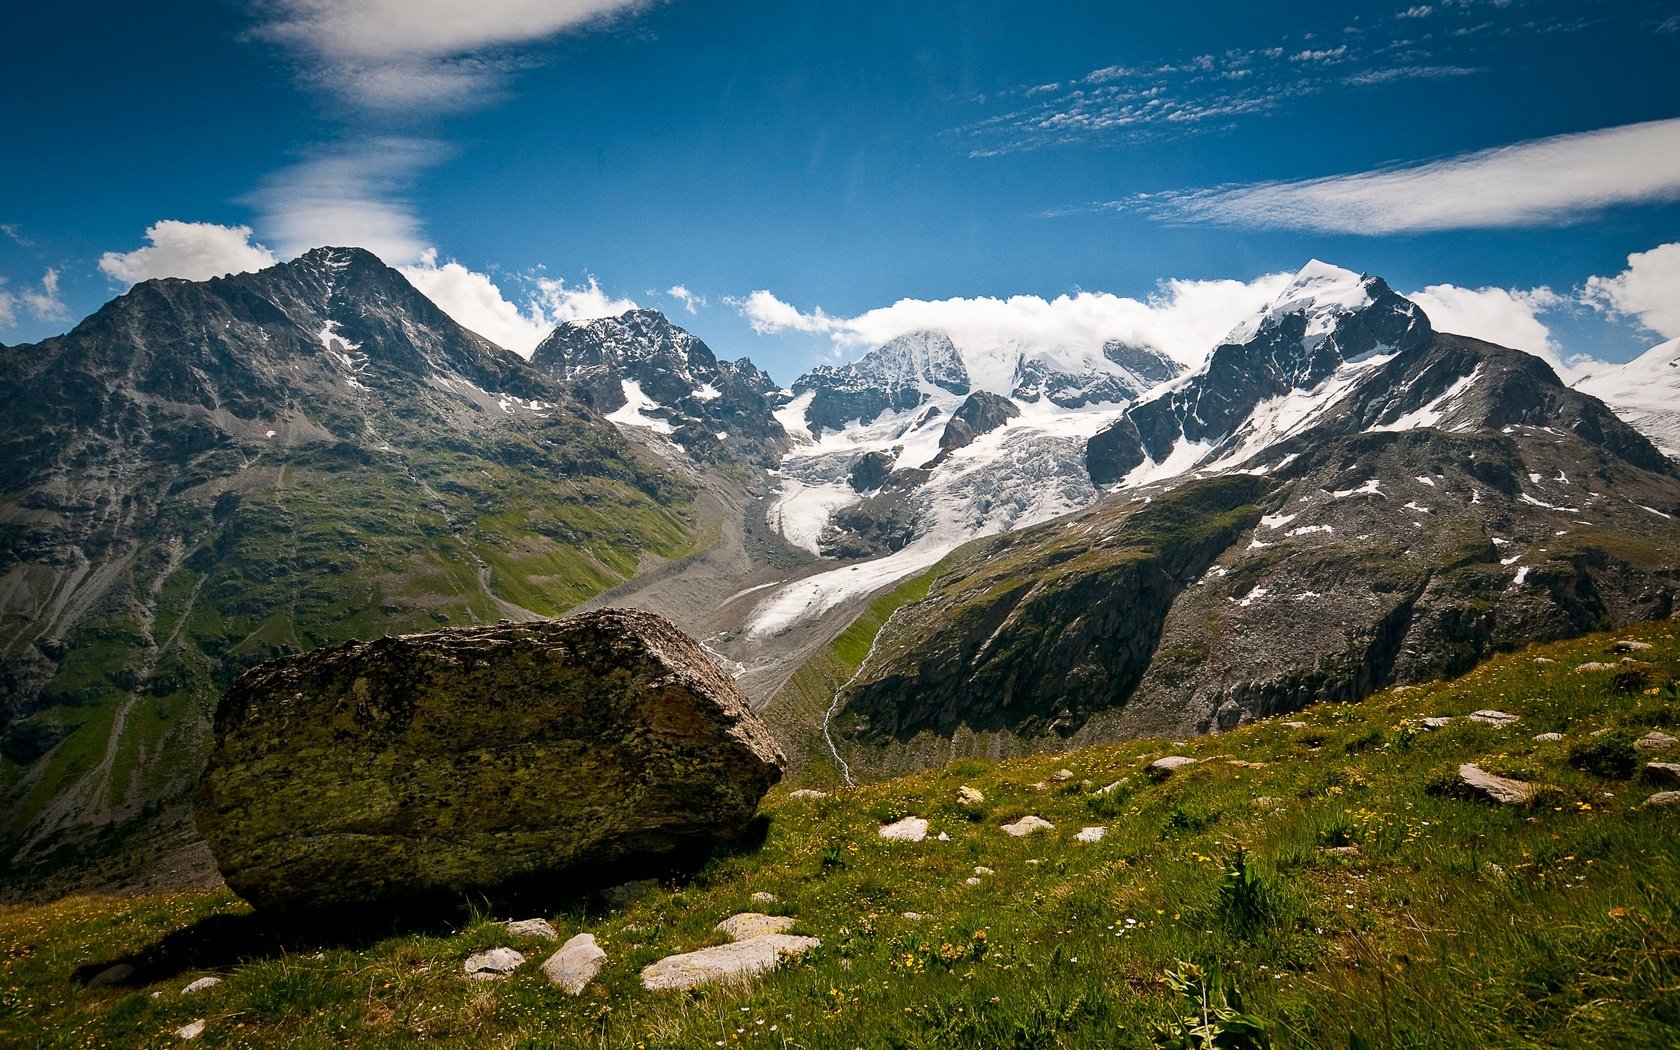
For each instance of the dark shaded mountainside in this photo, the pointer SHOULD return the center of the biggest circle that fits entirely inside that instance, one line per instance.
(203, 475)
(1452, 500)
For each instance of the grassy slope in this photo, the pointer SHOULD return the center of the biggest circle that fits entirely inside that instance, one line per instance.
(1456, 924)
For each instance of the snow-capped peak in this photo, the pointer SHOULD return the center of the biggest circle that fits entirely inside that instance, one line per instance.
(1320, 291)
(1645, 392)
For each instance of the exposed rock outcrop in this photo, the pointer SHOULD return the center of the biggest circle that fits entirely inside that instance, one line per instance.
(437, 763)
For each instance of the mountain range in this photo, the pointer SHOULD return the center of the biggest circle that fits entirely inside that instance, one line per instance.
(1064, 544)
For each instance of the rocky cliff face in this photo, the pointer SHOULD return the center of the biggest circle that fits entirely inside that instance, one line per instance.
(204, 475)
(1454, 500)
(641, 370)
(437, 764)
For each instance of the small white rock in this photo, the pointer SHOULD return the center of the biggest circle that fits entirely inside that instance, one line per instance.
(190, 1031)
(983, 870)
(750, 924)
(1027, 825)
(201, 985)
(533, 928)
(910, 829)
(762, 897)
(1090, 834)
(493, 965)
(807, 793)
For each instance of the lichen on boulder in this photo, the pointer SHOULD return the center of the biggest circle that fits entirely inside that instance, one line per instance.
(437, 763)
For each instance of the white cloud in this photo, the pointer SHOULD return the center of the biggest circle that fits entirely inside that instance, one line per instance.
(1509, 317)
(418, 54)
(687, 298)
(41, 301)
(1540, 182)
(196, 251)
(578, 304)
(1649, 289)
(475, 301)
(1183, 319)
(350, 197)
(45, 303)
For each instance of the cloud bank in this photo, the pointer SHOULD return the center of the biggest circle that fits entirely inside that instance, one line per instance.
(1564, 178)
(1183, 319)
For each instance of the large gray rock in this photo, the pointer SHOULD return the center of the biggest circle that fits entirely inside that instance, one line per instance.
(437, 763)
(1503, 790)
(575, 964)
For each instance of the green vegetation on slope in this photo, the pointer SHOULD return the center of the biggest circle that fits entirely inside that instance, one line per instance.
(796, 714)
(1331, 872)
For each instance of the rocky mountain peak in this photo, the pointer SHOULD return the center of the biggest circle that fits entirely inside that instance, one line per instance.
(894, 377)
(643, 371)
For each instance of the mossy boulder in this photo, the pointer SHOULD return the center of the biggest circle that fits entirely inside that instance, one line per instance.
(438, 763)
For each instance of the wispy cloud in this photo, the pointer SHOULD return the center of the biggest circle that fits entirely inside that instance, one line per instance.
(1183, 318)
(1545, 181)
(1187, 94)
(350, 195)
(419, 55)
(41, 301)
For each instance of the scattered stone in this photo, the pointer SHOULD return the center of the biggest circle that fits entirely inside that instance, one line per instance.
(1061, 776)
(1595, 665)
(1165, 767)
(493, 965)
(738, 960)
(1655, 741)
(1548, 738)
(1295, 725)
(750, 924)
(1628, 645)
(1662, 772)
(1027, 825)
(1437, 721)
(1267, 800)
(111, 975)
(436, 764)
(1042, 785)
(1601, 732)
(203, 984)
(973, 880)
(1664, 798)
(191, 1030)
(970, 796)
(1090, 834)
(762, 897)
(914, 916)
(807, 793)
(575, 964)
(1494, 718)
(1033, 862)
(1109, 789)
(1503, 790)
(1544, 660)
(983, 870)
(533, 928)
(910, 829)
(629, 892)
(942, 837)
(1342, 851)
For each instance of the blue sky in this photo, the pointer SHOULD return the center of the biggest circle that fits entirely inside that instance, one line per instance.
(861, 168)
